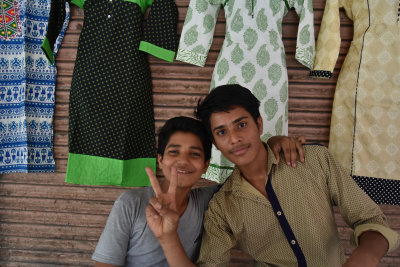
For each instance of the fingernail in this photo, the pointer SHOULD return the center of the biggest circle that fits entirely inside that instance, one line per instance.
(158, 206)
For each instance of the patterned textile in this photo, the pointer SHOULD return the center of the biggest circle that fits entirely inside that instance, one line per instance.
(27, 87)
(111, 123)
(398, 12)
(382, 191)
(9, 19)
(240, 216)
(365, 125)
(252, 55)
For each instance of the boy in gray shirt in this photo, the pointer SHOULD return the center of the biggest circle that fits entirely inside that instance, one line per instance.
(127, 240)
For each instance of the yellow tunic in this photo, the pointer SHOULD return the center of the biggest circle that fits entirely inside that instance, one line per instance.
(365, 125)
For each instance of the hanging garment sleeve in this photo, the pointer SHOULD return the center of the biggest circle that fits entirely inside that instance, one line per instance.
(160, 37)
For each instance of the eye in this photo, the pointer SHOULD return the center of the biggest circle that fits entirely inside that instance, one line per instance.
(172, 152)
(221, 132)
(242, 124)
(196, 154)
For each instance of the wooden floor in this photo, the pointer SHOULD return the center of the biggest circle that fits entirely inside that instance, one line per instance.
(46, 222)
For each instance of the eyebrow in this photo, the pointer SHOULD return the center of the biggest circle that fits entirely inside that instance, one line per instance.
(191, 147)
(234, 122)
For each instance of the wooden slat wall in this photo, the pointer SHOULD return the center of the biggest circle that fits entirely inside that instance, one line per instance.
(46, 222)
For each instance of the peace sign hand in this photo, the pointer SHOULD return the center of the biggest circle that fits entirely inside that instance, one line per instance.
(161, 213)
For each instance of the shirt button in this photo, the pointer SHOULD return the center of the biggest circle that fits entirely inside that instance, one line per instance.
(109, 16)
(279, 213)
(293, 242)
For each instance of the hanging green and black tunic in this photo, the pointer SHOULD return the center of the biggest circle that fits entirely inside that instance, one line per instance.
(111, 123)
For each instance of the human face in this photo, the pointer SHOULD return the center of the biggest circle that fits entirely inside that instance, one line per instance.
(237, 135)
(185, 152)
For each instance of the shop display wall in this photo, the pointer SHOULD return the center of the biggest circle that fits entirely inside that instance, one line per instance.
(46, 222)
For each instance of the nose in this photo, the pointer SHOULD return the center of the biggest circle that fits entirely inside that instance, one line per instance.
(235, 136)
(182, 159)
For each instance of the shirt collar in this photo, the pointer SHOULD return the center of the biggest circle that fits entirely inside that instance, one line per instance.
(234, 182)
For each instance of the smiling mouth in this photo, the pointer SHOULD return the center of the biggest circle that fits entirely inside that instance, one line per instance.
(183, 171)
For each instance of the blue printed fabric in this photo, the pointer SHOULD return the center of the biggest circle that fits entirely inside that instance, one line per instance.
(27, 85)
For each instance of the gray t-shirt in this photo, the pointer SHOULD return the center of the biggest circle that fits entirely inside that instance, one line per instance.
(128, 241)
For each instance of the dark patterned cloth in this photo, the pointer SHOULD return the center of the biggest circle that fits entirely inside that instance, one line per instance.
(56, 22)
(382, 191)
(111, 124)
(321, 74)
(111, 112)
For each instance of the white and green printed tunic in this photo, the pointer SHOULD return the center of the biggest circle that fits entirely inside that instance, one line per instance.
(252, 55)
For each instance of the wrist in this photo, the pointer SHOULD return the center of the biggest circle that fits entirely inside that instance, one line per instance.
(170, 239)
(368, 255)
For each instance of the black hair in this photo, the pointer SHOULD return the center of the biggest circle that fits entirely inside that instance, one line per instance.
(186, 125)
(225, 98)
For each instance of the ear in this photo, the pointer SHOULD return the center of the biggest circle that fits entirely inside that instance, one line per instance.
(159, 159)
(260, 125)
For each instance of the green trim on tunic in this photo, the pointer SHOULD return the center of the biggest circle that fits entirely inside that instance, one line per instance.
(191, 57)
(287, 4)
(222, 167)
(157, 51)
(47, 50)
(78, 3)
(144, 4)
(92, 170)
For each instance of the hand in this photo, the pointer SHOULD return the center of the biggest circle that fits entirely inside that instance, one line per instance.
(291, 146)
(161, 213)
